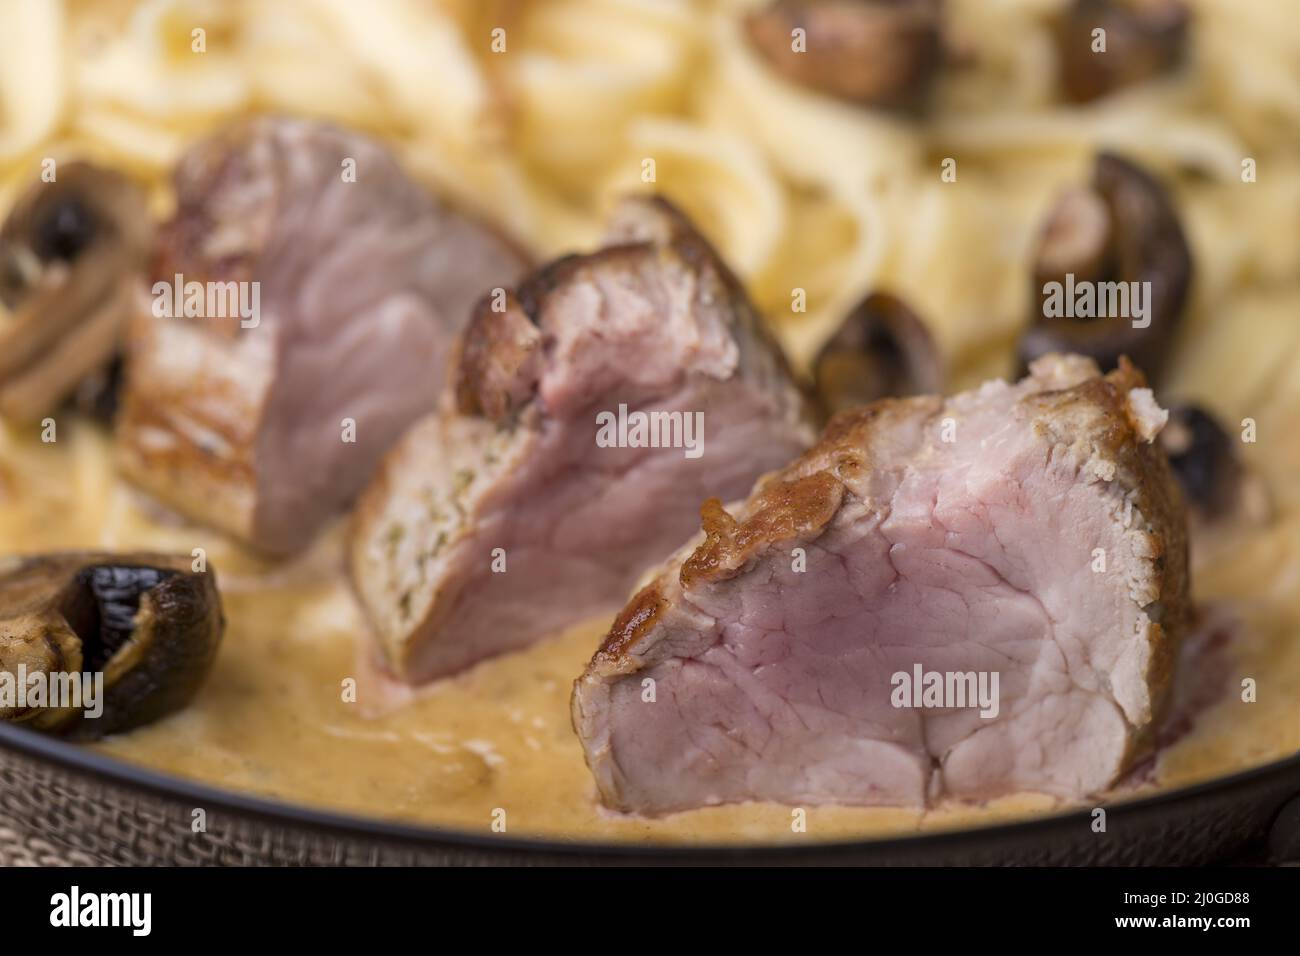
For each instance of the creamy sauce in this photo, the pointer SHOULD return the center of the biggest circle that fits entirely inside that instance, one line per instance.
(272, 718)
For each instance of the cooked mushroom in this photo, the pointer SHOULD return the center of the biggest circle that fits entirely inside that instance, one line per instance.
(882, 349)
(877, 53)
(69, 252)
(1144, 38)
(1204, 460)
(1117, 241)
(97, 395)
(146, 622)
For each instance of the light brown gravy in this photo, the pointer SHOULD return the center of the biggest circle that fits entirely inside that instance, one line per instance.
(272, 718)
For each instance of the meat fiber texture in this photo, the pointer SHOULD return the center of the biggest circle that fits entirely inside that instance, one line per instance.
(1030, 531)
(266, 425)
(531, 502)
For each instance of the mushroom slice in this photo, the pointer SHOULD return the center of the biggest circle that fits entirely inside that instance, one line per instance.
(69, 252)
(1215, 480)
(881, 350)
(1144, 38)
(876, 53)
(146, 622)
(1117, 240)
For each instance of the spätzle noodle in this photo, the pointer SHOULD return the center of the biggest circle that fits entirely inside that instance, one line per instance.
(519, 109)
(33, 75)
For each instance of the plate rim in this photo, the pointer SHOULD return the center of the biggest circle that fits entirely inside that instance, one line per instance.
(161, 784)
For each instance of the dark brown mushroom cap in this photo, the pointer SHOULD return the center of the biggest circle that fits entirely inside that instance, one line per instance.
(876, 53)
(1122, 229)
(882, 350)
(1144, 38)
(1204, 459)
(69, 252)
(149, 623)
(1078, 238)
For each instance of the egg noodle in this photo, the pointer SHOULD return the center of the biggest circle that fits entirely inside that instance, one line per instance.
(537, 113)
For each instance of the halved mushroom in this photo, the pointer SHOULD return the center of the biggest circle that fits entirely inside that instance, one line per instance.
(1214, 478)
(1203, 459)
(1121, 239)
(70, 251)
(877, 53)
(881, 350)
(147, 622)
(1143, 38)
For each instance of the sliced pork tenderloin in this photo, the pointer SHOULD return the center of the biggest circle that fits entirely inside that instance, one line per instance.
(520, 509)
(1032, 531)
(363, 281)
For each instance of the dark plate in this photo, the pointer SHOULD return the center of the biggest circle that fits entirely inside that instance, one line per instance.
(121, 813)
